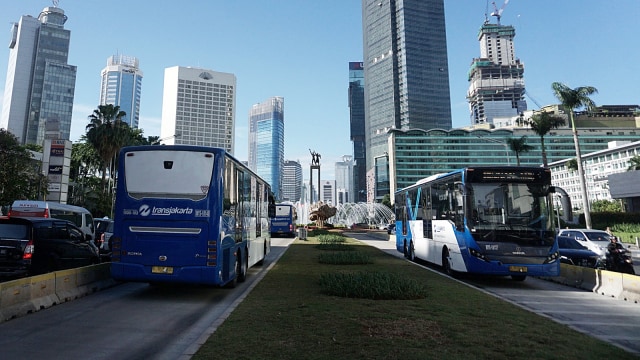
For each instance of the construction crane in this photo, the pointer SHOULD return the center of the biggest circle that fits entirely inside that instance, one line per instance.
(498, 12)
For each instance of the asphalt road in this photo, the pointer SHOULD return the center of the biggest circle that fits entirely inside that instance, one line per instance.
(609, 319)
(129, 321)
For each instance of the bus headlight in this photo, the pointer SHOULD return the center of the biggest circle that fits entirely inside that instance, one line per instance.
(478, 254)
(552, 258)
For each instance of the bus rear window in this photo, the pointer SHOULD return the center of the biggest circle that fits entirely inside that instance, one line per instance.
(168, 174)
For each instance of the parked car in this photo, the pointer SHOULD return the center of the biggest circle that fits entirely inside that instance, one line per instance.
(595, 240)
(572, 252)
(31, 246)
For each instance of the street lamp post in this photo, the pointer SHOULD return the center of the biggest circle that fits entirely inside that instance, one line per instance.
(506, 146)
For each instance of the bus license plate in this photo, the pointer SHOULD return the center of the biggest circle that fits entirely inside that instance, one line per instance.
(161, 270)
(520, 269)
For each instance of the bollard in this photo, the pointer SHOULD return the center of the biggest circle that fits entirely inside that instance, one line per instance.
(637, 242)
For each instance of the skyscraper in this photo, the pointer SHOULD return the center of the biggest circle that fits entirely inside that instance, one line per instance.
(198, 107)
(496, 78)
(356, 118)
(40, 84)
(344, 180)
(405, 69)
(266, 142)
(292, 181)
(121, 85)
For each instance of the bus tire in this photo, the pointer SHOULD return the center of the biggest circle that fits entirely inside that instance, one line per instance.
(411, 252)
(241, 273)
(404, 250)
(446, 265)
(234, 282)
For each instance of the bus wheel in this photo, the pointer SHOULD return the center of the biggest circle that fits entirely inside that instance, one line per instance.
(241, 273)
(231, 284)
(518, 277)
(446, 265)
(404, 250)
(411, 252)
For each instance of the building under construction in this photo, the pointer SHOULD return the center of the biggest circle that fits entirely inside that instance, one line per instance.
(496, 78)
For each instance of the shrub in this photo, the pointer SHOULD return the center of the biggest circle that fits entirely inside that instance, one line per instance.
(371, 285)
(345, 258)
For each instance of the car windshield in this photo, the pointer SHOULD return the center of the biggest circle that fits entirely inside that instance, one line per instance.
(568, 243)
(597, 236)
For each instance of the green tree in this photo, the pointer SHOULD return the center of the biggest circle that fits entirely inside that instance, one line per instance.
(542, 123)
(107, 133)
(572, 164)
(573, 99)
(20, 175)
(606, 206)
(634, 163)
(519, 145)
(386, 200)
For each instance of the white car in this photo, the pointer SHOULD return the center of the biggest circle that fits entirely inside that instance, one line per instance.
(594, 240)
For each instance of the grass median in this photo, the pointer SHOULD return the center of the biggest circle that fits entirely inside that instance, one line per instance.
(347, 300)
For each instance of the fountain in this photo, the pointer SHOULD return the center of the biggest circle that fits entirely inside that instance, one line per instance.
(372, 214)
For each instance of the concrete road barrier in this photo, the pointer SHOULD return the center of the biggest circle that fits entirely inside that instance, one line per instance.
(23, 296)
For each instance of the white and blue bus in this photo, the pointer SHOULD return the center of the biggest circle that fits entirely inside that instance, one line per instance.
(482, 220)
(283, 223)
(188, 214)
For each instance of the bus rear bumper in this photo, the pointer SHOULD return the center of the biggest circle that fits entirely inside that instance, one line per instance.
(141, 273)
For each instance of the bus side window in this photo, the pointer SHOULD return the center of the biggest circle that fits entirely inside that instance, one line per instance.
(425, 204)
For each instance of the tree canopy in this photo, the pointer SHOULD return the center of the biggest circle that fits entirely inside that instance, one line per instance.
(20, 175)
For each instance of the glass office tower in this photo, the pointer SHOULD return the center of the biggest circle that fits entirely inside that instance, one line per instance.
(266, 142)
(356, 119)
(40, 85)
(292, 181)
(405, 69)
(121, 85)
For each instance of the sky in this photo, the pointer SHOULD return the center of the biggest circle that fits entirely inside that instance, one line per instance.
(300, 50)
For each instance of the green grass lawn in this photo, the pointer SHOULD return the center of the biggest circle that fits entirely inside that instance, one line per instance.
(289, 316)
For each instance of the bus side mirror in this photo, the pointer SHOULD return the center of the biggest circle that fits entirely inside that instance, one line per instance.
(272, 210)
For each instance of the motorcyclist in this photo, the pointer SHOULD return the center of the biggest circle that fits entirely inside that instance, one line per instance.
(614, 250)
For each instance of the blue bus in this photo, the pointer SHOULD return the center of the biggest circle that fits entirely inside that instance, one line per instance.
(188, 214)
(482, 220)
(283, 223)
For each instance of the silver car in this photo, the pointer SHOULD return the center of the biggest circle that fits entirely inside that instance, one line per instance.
(594, 240)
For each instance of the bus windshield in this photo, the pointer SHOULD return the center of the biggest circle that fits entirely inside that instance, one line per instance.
(168, 174)
(509, 206)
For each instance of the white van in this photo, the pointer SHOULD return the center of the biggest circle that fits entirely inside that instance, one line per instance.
(80, 216)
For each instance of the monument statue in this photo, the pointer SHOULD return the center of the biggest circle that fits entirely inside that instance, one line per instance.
(315, 157)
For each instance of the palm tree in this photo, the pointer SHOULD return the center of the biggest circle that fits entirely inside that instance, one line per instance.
(634, 163)
(107, 133)
(519, 145)
(573, 99)
(542, 123)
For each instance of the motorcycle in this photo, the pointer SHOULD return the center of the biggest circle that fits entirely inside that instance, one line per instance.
(619, 260)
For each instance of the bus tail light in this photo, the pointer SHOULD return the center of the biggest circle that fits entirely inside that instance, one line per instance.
(212, 253)
(116, 248)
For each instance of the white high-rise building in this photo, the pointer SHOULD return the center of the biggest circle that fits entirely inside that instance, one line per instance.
(496, 78)
(198, 108)
(344, 180)
(40, 85)
(121, 85)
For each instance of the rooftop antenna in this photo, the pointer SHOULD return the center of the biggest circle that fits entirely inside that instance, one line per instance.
(498, 12)
(55, 3)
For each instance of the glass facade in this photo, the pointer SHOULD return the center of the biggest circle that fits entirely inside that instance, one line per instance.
(292, 181)
(357, 129)
(416, 154)
(405, 69)
(122, 86)
(40, 84)
(266, 142)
